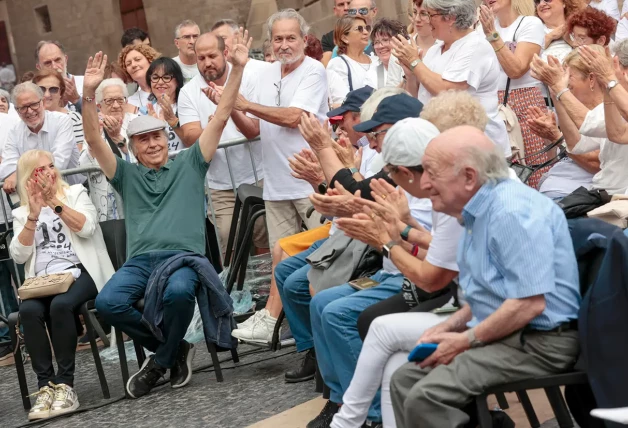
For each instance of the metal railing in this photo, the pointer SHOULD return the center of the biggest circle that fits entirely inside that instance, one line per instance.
(225, 145)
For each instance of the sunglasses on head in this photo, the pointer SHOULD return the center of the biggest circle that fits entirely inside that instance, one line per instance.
(54, 90)
(362, 11)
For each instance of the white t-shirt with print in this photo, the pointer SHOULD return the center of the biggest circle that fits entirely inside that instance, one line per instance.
(461, 63)
(305, 88)
(189, 71)
(338, 76)
(531, 30)
(52, 241)
(194, 106)
(174, 142)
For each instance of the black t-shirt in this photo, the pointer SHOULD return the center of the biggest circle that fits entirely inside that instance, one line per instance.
(327, 42)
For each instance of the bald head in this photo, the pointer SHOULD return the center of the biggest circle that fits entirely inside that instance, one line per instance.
(458, 162)
(211, 58)
(206, 39)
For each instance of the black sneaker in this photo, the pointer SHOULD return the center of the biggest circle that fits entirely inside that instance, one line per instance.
(324, 418)
(370, 424)
(5, 351)
(181, 372)
(306, 371)
(144, 380)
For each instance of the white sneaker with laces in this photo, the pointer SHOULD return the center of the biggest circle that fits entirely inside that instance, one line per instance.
(260, 331)
(65, 400)
(41, 409)
(251, 320)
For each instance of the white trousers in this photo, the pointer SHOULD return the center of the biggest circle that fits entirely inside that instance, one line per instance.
(386, 348)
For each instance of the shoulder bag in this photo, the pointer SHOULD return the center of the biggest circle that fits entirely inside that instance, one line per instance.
(48, 284)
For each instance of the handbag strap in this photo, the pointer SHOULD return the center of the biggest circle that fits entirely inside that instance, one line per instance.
(381, 80)
(514, 39)
(348, 73)
(58, 258)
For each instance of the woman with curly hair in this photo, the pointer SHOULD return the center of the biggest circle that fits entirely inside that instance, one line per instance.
(590, 27)
(554, 14)
(135, 60)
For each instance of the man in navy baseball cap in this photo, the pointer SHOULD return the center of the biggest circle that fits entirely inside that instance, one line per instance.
(353, 102)
(348, 115)
(390, 111)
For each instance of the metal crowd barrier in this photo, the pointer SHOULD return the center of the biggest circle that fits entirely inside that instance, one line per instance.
(225, 145)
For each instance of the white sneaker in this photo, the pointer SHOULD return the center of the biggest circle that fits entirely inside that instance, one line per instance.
(251, 320)
(65, 400)
(41, 409)
(619, 414)
(260, 331)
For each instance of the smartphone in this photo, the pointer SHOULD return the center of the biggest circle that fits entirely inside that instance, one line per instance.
(445, 310)
(363, 283)
(422, 351)
(14, 200)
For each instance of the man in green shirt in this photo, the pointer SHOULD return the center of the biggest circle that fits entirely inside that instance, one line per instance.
(165, 215)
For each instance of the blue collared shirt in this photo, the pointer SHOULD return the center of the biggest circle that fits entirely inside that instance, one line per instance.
(516, 244)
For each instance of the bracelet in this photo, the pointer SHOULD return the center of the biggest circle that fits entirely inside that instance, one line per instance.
(353, 170)
(404, 234)
(31, 219)
(560, 93)
(500, 48)
(609, 102)
(415, 250)
(28, 228)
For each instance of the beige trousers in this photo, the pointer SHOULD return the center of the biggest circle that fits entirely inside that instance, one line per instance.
(283, 218)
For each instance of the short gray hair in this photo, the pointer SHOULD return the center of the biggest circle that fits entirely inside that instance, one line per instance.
(621, 51)
(370, 105)
(304, 28)
(228, 22)
(186, 23)
(463, 10)
(108, 83)
(5, 94)
(43, 43)
(26, 87)
(490, 164)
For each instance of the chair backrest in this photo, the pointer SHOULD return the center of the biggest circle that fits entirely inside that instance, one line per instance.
(114, 234)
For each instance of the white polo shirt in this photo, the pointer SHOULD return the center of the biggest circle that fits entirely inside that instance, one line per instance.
(56, 136)
(194, 106)
(305, 88)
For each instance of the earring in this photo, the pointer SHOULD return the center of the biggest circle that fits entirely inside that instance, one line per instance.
(411, 181)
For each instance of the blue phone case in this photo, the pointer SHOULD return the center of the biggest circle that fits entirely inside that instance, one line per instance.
(422, 351)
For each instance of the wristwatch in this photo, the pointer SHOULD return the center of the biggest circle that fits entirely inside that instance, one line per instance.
(473, 341)
(322, 188)
(611, 85)
(58, 209)
(414, 63)
(404, 234)
(353, 170)
(492, 37)
(122, 143)
(387, 247)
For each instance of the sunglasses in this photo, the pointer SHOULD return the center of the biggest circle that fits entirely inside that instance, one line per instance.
(361, 11)
(538, 2)
(166, 78)
(362, 28)
(54, 90)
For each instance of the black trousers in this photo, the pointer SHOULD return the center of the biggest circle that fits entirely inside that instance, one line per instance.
(59, 314)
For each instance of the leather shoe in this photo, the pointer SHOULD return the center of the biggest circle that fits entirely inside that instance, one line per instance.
(324, 418)
(306, 371)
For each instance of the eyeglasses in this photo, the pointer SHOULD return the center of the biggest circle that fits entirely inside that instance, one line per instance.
(154, 78)
(278, 98)
(189, 37)
(32, 106)
(431, 15)
(538, 2)
(382, 42)
(578, 39)
(424, 16)
(361, 11)
(110, 101)
(373, 135)
(362, 28)
(54, 90)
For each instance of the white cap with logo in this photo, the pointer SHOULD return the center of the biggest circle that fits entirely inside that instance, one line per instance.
(405, 143)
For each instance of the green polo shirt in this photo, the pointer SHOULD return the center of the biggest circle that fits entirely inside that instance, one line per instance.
(165, 209)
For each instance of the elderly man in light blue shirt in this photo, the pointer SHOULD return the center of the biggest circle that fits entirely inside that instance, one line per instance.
(518, 277)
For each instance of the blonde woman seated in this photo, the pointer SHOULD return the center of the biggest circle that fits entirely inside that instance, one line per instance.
(56, 230)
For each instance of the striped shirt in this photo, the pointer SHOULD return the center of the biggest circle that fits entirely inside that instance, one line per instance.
(516, 244)
(77, 127)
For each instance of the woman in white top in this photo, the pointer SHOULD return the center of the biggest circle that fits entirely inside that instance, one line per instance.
(53, 86)
(422, 30)
(454, 62)
(554, 15)
(352, 69)
(389, 72)
(166, 80)
(56, 230)
(135, 60)
(516, 38)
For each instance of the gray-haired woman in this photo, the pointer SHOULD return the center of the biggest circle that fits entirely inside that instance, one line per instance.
(461, 59)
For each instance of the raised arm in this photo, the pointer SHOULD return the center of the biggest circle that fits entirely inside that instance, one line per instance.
(210, 137)
(100, 150)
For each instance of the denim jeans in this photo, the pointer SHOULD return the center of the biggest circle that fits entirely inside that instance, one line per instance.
(127, 286)
(294, 289)
(334, 317)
